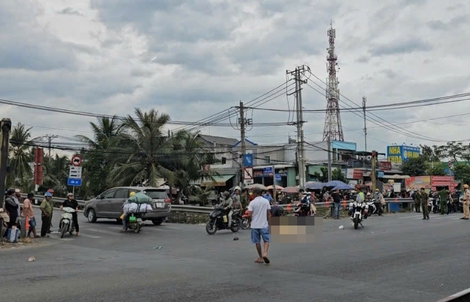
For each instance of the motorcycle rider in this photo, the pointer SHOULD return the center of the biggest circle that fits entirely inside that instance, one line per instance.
(227, 204)
(125, 216)
(378, 200)
(70, 202)
(466, 202)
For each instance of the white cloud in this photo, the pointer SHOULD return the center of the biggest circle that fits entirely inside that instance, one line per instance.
(193, 59)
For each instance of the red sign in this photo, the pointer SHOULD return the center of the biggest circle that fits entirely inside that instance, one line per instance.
(442, 181)
(358, 174)
(76, 160)
(38, 167)
(385, 166)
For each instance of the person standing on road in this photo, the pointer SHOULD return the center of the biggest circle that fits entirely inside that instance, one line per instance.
(443, 197)
(46, 214)
(12, 208)
(28, 213)
(51, 203)
(70, 202)
(466, 203)
(259, 210)
(423, 197)
(337, 200)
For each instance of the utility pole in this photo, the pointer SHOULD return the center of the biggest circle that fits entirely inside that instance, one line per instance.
(5, 142)
(364, 100)
(243, 142)
(49, 142)
(373, 174)
(299, 123)
(330, 173)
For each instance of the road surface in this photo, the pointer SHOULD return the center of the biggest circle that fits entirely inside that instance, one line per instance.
(398, 257)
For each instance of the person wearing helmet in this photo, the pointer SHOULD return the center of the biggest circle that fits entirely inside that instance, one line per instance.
(378, 197)
(227, 204)
(466, 203)
(46, 214)
(125, 216)
(12, 208)
(70, 202)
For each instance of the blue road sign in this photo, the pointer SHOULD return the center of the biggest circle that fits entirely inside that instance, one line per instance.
(74, 182)
(248, 160)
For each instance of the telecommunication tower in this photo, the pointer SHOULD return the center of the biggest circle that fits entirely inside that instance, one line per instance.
(333, 128)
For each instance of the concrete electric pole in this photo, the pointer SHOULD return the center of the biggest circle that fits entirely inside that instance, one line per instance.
(49, 141)
(299, 123)
(242, 123)
(5, 142)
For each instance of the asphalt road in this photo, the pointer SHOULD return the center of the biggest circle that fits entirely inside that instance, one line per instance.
(398, 257)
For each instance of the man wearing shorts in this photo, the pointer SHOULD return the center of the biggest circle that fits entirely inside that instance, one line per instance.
(259, 210)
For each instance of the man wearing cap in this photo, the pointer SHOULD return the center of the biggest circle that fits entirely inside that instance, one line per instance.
(51, 203)
(423, 197)
(46, 214)
(70, 202)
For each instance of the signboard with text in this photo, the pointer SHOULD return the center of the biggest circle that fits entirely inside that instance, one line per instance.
(400, 154)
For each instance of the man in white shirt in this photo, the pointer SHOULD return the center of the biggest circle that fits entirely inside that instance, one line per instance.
(259, 210)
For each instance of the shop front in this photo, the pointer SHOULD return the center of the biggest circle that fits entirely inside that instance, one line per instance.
(268, 175)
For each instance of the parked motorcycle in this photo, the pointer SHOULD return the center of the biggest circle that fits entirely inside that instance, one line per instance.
(373, 207)
(359, 210)
(135, 222)
(218, 220)
(66, 222)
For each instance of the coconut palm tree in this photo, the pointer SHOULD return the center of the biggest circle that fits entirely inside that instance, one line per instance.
(96, 160)
(188, 159)
(56, 173)
(141, 149)
(21, 157)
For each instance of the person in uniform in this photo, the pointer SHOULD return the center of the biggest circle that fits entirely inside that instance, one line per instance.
(443, 197)
(423, 197)
(466, 203)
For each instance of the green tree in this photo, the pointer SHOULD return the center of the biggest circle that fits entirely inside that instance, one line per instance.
(336, 174)
(21, 158)
(141, 147)
(56, 172)
(437, 170)
(415, 166)
(96, 160)
(462, 172)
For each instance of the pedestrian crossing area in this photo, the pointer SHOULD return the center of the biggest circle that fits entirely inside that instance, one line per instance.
(98, 231)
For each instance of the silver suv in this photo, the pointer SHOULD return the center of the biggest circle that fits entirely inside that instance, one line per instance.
(109, 204)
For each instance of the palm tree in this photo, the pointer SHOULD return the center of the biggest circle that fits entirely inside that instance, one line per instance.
(96, 159)
(21, 157)
(141, 148)
(188, 159)
(56, 174)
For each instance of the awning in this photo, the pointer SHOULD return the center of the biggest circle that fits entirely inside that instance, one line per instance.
(217, 180)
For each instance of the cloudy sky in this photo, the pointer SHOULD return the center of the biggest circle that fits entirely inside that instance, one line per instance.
(195, 60)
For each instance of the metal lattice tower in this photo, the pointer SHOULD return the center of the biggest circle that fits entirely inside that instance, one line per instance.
(333, 128)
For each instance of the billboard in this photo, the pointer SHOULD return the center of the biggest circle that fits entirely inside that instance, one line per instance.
(418, 182)
(400, 154)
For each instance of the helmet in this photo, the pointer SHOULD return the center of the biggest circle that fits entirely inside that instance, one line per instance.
(69, 194)
(48, 194)
(10, 192)
(465, 186)
(226, 193)
(132, 194)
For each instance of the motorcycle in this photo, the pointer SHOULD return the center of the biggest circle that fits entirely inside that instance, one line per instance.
(66, 223)
(358, 211)
(244, 221)
(373, 207)
(218, 221)
(302, 209)
(135, 222)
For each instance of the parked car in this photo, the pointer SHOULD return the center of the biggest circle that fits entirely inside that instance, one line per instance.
(109, 204)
